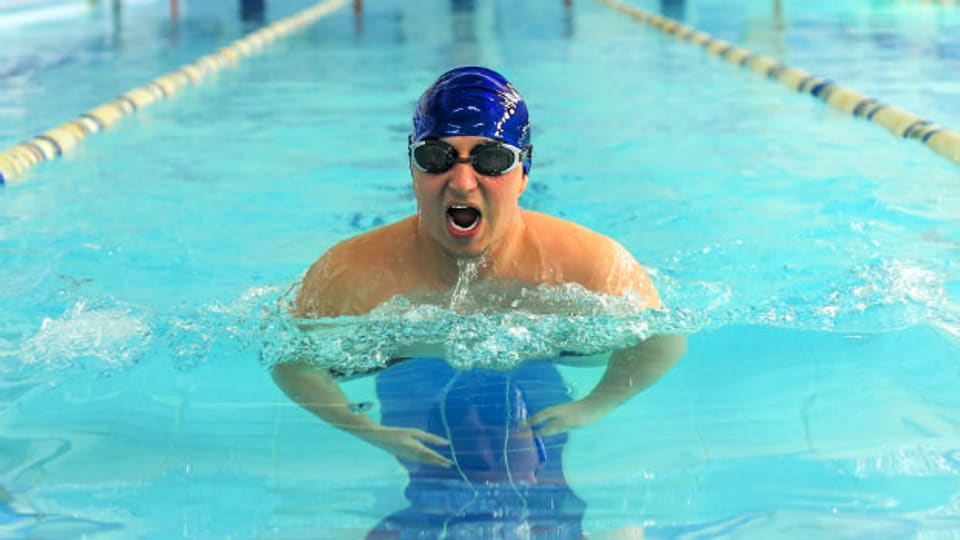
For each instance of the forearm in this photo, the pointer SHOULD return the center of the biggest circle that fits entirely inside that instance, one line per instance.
(316, 391)
(631, 370)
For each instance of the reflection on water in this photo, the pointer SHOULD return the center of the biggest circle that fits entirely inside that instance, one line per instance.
(358, 17)
(116, 24)
(767, 34)
(463, 5)
(252, 13)
(674, 9)
(23, 462)
(463, 21)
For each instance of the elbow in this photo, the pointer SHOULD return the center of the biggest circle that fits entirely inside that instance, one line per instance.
(287, 374)
(282, 374)
(680, 346)
(671, 344)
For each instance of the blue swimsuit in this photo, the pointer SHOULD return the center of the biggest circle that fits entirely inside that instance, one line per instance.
(506, 482)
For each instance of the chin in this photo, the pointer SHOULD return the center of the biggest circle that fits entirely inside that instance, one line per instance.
(465, 253)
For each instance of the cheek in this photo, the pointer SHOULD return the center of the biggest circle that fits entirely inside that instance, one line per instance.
(426, 196)
(507, 195)
(422, 190)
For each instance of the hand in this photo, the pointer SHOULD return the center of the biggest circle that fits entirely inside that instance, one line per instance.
(566, 416)
(408, 444)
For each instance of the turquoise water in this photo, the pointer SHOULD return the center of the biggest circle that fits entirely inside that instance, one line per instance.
(811, 258)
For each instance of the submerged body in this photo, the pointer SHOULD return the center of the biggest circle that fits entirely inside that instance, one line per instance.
(507, 482)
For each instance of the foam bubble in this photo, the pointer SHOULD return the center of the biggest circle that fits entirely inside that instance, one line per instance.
(219, 327)
(512, 324)
(89, 336)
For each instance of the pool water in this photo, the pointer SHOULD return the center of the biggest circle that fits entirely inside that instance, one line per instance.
(810, 258)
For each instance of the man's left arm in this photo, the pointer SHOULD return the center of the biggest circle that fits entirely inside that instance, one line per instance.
(630, 370)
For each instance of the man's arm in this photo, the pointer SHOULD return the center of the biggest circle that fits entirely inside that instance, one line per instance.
(635, 369)
(316, 391)
(324, 294)
(630, 370)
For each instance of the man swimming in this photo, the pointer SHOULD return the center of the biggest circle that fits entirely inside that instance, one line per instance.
(483, 447)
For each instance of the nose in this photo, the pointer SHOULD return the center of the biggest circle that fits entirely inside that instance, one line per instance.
(463, 178)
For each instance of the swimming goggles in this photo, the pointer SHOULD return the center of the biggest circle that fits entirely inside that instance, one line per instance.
(488, 158)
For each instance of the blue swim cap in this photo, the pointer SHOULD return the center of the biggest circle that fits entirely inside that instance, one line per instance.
(476, 101)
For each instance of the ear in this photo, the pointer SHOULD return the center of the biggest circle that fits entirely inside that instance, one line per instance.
(413, 177)
(523, 184)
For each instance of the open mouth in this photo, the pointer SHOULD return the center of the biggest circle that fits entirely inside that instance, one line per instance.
(462, 219)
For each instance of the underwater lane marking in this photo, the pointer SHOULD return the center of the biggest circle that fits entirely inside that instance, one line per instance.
(901, 123)
(17, 160)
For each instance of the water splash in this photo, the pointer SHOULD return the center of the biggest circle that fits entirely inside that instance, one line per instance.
(480, 322)
(541, 322)
(466, 274)
(219, 329)
(88, 335)
(498, 326)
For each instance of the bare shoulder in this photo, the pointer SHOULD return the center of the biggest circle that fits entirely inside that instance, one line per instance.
(353, 276)
(552, 228)
(590, 258)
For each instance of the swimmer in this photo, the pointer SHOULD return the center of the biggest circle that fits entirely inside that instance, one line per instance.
(470, 155)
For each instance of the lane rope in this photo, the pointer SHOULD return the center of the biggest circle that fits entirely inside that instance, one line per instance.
(901, 123)
(53, 143)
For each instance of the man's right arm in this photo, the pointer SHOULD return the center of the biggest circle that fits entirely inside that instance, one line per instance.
(315, 389)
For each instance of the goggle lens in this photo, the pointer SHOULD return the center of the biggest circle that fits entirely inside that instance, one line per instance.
(495, 159)
(434, 157)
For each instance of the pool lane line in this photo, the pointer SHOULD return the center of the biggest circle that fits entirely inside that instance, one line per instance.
(901, 123)
(53, 143)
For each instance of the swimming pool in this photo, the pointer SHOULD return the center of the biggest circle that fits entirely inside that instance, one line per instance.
(810, 256)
